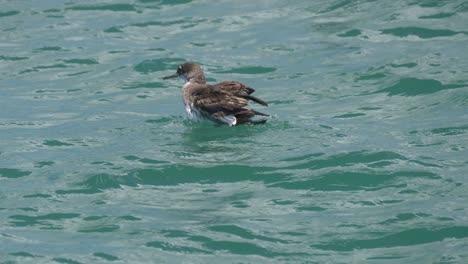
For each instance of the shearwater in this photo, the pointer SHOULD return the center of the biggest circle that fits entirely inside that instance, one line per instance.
(223, 103)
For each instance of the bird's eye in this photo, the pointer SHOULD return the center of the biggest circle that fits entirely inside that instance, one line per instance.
(179, 70)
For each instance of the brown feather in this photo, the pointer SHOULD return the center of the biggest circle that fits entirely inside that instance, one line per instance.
(235, 88)
(219, 102)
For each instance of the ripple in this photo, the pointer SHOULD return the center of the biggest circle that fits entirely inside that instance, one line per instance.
(350, 33)
(167, 2)
(424, 33)
(346, 159)
(145, 85)
(98, 182)
(170, 247)
(94, 218)
(56, 143)
(180, 174)
(51, 48)
(404, 65)
(104, 7)
(404, 217)
(76, 74)
(278, 48)
(450, 131)
(37, 195)
(14, 58)
(77, 191)
(349, 115)
(41, 220)
(463, 7)
(437, 16)
(44, 67)
(162, 120)
(66, 261)
(338, 5)
(372, 76)
(353, 181)
(105, 256)
(409, 237)
(9, 13)
(28, 124)
(129, 218)
(52, 10)
(249, 70)
(187, 21)
(156, 65)
(81, 61)
(13, 173)
(243, 233)
(415, 86)
(442, 131)
(175, 233)
(199, 44)
(431, 3)
(113, 29)
(244, 248)
(173, 2)
(42, 164)
(370, 108)
(311, 208)
(145, 160)
(24, 255)
(100, 229)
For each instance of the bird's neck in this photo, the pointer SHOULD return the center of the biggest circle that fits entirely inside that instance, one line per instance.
(199, 78)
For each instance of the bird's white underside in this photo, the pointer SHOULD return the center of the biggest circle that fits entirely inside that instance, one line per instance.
(196, 115)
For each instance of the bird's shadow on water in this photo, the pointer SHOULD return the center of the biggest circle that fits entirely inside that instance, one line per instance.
(198, 132)
(202, 137)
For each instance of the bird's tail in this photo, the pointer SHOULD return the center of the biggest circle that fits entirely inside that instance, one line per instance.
(255, 99)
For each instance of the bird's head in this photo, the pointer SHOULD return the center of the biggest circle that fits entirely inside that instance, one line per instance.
(191, 72)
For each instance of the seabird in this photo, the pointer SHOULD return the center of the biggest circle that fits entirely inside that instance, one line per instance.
(223, 103)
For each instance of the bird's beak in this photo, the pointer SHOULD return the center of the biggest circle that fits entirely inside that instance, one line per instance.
(171, 76)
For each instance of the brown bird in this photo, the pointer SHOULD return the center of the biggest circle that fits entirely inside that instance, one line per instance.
(223, 103)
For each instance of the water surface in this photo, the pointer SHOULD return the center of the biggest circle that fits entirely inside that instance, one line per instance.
(365, 159)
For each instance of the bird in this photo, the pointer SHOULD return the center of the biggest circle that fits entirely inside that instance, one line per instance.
(223, 103)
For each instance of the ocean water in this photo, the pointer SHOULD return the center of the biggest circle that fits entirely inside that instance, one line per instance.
(364, 161)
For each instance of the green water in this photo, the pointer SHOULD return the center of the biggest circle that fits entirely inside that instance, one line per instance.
(365, 160)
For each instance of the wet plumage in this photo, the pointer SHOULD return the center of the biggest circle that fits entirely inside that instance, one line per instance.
(223, 103)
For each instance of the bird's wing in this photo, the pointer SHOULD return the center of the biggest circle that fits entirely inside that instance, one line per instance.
(233, 87)
(215, 102)
(238, 89)
(224, 101)
(212, 99)
(221, 107)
